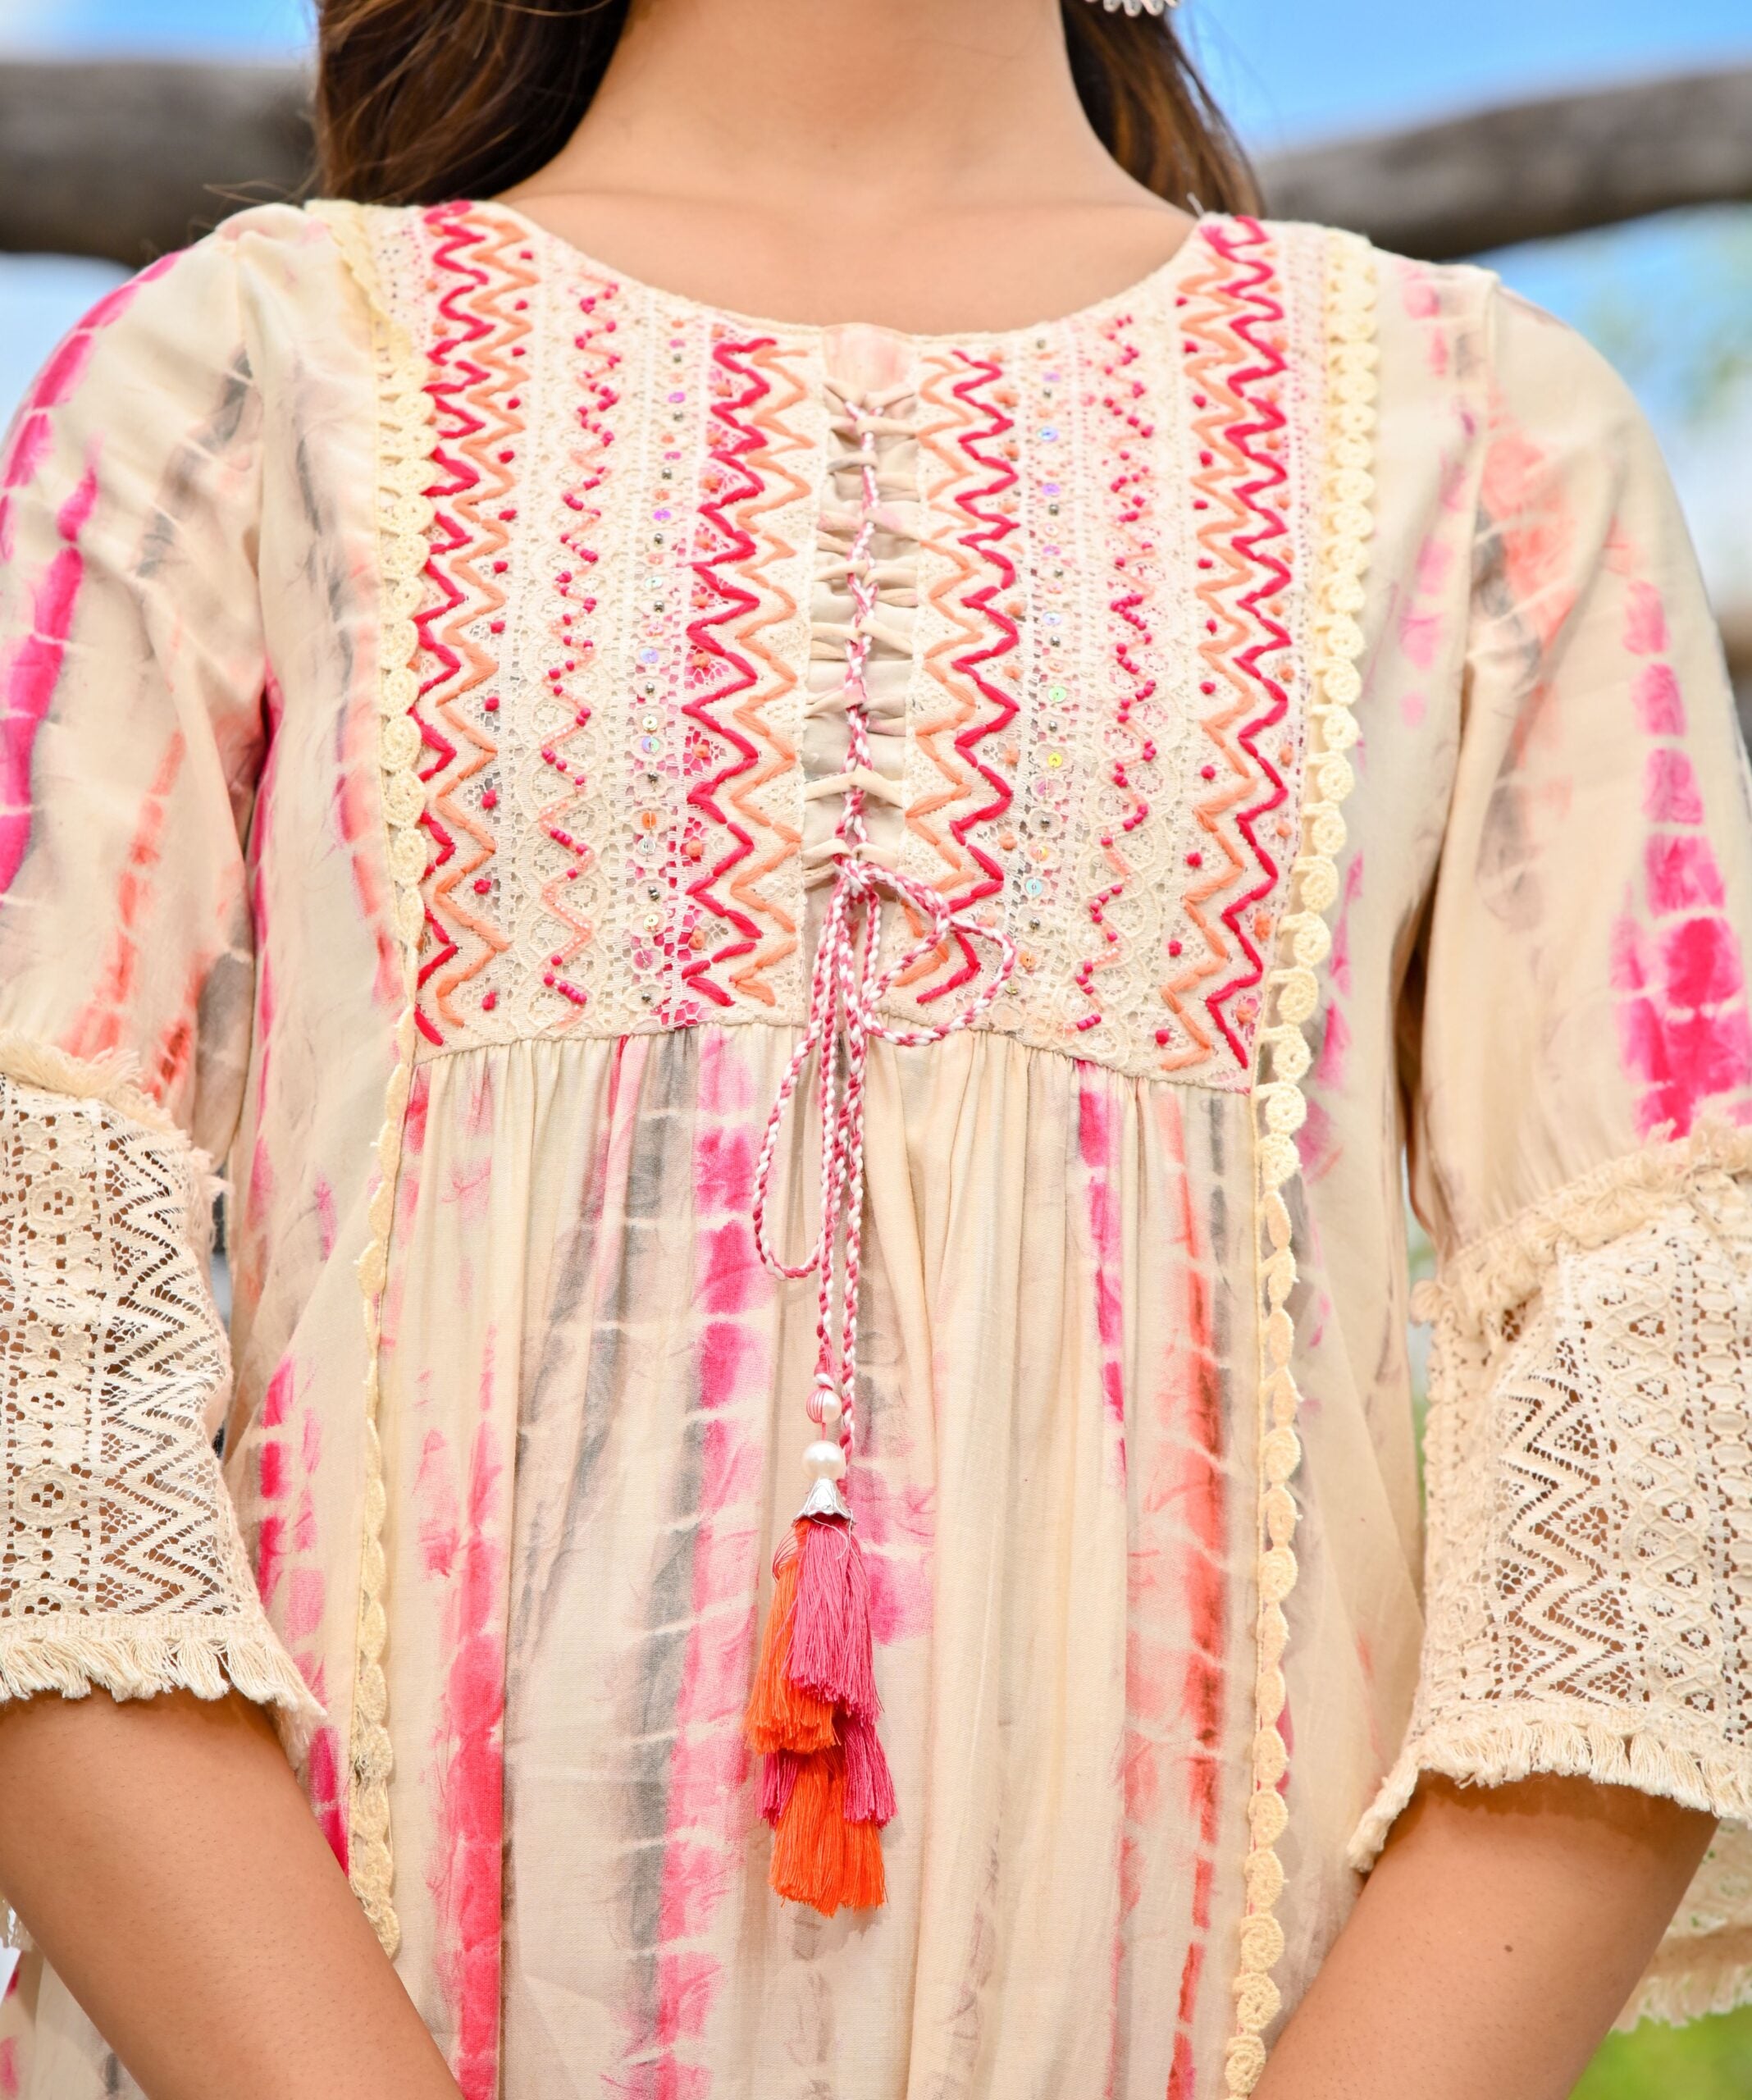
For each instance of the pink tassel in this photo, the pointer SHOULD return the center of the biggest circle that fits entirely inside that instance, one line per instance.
(870, 1789)
(832, 1650)
(778, 1775)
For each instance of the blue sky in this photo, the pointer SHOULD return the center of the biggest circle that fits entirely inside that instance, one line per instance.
(1287, 70)
(1295, 68)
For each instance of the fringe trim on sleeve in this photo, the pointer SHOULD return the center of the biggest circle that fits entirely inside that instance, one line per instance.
(1505, 1267)
(113, 1077)
(1525, 1741)
(1689, 1979)
(133, 1656)
(1691, 1975)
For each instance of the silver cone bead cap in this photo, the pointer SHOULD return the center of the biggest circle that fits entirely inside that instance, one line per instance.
(824, 1499)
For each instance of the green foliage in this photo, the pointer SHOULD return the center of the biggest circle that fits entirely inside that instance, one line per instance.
(1709, 2060)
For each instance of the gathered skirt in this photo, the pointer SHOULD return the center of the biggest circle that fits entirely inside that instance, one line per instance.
(593, 1411)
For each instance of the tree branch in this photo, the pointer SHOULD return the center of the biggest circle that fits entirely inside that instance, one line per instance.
(127, 158)
(1530, 169)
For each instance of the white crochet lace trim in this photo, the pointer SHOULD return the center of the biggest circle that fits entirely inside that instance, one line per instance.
(405, 437)
(113, 1077)
(1495, 1274)
(1589, 1579)
(1292, 990)
(121, 1564)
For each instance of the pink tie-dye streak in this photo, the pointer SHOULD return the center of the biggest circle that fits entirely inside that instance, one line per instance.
(1175, 1687)
(289, 1573)
(1098, 1142)
(1535, 528)
(55, 384)
(105, 1022)
(409, 1190)
(1681, 873)
(1645, 620)
(358, 819)
(466, 1874)
(1658, 705)
(1671, 793)
(1685, 1032)
(899, 1527)
(32, 671)
(1422, 301)
(328, 1223)
(710, 1809)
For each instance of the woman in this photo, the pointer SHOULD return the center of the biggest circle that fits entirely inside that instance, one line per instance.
(472, 686)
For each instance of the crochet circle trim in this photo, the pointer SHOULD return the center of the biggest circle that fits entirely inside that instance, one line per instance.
(405, 439)
(1293, 993)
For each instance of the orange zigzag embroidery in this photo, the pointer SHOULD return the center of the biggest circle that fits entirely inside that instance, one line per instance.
(487, 449)
(776, 679)
(1224, 570)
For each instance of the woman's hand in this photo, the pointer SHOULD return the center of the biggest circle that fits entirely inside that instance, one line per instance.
(161, 1855)
(1500, 1934)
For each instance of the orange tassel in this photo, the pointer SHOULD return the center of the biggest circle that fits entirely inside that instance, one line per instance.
(821, 1758)
(808, 1845)
(818, 1857)
(782, 1715)
(862, 1884)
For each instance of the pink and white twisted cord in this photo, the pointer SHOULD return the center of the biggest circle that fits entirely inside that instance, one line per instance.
(847, 985)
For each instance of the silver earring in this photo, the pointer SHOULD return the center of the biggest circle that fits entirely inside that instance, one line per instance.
(1138, 7)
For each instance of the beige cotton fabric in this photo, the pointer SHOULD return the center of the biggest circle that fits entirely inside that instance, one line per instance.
(423, 660)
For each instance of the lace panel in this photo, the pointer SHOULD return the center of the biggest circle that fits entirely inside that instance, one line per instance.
(1591, 1501)
(1588, 1577)
(121, 1565)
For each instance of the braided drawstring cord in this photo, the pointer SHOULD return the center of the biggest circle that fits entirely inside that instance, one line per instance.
(847, 985)
(825, 1785)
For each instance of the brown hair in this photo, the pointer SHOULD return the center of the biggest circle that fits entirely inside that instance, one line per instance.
(514, 80)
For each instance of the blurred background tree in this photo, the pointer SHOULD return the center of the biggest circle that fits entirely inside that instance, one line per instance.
(1598, 153)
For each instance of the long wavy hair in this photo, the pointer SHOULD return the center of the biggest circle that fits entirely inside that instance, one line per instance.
(514, 80)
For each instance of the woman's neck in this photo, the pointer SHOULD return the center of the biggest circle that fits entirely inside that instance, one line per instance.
(924, 162)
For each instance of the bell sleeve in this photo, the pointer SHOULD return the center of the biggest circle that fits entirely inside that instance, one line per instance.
(132, 677)
(1575, 1062)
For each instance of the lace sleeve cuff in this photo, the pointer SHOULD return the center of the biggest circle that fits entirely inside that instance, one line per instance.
(1589, 1577)
(121, 1564)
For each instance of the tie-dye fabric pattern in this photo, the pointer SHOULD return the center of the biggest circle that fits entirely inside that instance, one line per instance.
(437, 708)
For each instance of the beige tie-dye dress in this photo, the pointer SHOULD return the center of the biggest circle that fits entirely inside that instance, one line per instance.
(427, 664)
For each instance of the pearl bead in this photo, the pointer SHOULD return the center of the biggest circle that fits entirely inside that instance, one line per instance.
(824, 1461)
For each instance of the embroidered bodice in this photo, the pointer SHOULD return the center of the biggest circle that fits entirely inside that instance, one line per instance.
(1092, 561)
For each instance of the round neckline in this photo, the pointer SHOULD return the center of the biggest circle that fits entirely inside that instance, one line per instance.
(1141, 289)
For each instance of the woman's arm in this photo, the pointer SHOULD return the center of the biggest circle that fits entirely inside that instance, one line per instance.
(1500, 1933)
(160, 1849)
(164, 1859)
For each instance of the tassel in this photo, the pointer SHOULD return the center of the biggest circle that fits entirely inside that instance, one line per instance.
(831, 1648)
(782, 1715)
(869, 1790)
(862, 1884)
(819, 1857)
(825, 1785)
(778, 1775)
